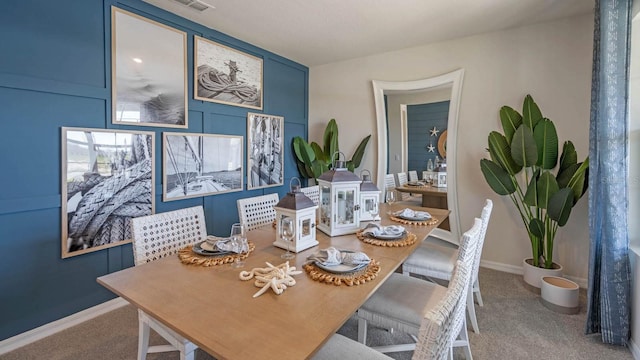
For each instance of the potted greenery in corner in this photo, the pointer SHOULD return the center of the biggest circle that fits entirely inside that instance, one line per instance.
(521, 165)
(313, 160)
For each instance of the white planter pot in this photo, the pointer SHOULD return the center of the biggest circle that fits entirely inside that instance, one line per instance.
(559, 294)
(532, 275)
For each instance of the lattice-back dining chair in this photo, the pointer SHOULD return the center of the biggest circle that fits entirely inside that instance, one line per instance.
(312, 192)
(389, 184)
(402, 180)
(258, 210)
(413, 175)
(400, 302)
(434, 259)
(154, 237)
(434, 340)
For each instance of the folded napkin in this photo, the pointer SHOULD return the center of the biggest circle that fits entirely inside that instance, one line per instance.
(332, 256)
(379, 230)
(225, 244)
(413, 214)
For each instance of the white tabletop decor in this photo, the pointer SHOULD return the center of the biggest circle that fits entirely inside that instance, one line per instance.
(277, 278)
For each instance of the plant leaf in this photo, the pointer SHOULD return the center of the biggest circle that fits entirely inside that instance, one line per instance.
(498, 179)
(511, 120)
(531, 196)
(317, 150)
(303, 151)
(569, 156)
(547, 142)
(501, 153)
(356, 159)
(547, 187)
(564, 176)
(579, 181)
(530, 112)
(560, 206)
(330, 140)
(523, 147)
(536, 228)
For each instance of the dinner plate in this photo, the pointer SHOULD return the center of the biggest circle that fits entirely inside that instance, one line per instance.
(340, 268)
(388, 236)
(415, 183)
(197, 248)
(414, 218)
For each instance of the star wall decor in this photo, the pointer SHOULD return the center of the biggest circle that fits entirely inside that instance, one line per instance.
(431, 148)
(434, 131)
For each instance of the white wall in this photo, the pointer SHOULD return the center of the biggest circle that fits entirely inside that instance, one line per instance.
(550, 61)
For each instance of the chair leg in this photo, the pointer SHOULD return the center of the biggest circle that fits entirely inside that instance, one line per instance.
(471, 310)
(405, 272)
(465, 338)
(476, 290)
(143, 340)
(362, 331)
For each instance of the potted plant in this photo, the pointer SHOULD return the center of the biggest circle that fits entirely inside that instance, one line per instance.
(313, 160)
(521, 167)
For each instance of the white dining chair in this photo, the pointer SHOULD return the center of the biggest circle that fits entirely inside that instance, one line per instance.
(434, 335)
(402, 180)
(312, 192)
(434, 259)
(400, 302)
(257, 211)
(154, 237)
(413, 175)
(389, 185)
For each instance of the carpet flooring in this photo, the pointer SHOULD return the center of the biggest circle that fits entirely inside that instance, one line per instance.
(513, 325)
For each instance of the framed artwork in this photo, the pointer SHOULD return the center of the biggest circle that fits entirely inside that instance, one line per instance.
(264, 151)
(148, 77)
(225, 75)
(107, 179)
(200, 165)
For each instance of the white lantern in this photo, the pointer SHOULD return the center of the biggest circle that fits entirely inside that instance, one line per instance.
(369, 198)
(298, 206)
(339, 201)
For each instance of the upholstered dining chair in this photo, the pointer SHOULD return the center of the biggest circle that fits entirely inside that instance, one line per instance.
(400, 302)
(434, 259)
(434, 335)
(312, 192)
(258, 210)
(154, 237)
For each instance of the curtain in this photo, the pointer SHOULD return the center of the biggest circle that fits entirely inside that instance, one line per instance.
(609, 294)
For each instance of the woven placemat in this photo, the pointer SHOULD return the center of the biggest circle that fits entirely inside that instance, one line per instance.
(188, 257)
(410, 222)
(367, 273)
(408, 240)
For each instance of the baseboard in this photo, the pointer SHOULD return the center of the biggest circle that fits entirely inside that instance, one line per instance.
(53, 327)
(513, 269)
(635, 350)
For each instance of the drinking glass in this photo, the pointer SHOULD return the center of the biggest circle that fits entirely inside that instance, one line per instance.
(239, 239)
(373, 210)
(390, 197)
(286, 233)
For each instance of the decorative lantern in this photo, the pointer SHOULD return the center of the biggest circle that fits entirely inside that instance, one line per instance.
(339, 200)
(298, 206)
(441, 175)
(369, 198)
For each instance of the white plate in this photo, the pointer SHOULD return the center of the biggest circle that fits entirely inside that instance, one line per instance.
(411, 218)
(207, 250)
(341, 268)
(388, 236)
(415, 183)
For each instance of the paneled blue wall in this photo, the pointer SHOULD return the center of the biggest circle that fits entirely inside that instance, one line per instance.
(55, 71)
(420, 120)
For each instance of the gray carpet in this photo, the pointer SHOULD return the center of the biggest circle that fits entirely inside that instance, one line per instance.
(513, 325)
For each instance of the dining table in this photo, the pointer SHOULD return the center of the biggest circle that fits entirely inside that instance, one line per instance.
(213, 308)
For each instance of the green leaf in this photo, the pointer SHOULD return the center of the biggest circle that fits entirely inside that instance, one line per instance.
(303, 170)
(510, 120)
(547, 142)
(317, 150)
(569, 156)
(303, 151)
(564, 176)
(350, 166)
(356, 159)
(530, 112)
(330, 140)
(498, 179)
(536, 228)
(547, 187)
(579, 181)
(501, 153)
(531, 196)
(523, 147)
(560, 206)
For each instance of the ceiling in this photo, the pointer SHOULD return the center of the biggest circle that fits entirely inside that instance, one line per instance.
(316, 32)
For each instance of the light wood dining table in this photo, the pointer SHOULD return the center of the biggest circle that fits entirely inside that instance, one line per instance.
(214, 309)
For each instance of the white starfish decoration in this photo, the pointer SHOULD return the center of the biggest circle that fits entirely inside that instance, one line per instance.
(434, 131)
(431, 148)
(277, 278)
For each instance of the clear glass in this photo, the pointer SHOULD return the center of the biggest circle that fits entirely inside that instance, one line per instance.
(373, 209)
(239, 239)
(287, 231)
(390, 196)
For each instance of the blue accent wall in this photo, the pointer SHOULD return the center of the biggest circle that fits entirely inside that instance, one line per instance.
(55, 71)
(420, 120)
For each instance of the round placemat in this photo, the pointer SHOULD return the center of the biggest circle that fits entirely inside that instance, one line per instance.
(429, 222)
(368, 273)
(408, 240)
(188, 257)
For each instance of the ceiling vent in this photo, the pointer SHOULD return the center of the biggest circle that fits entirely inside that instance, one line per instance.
(196, 4)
